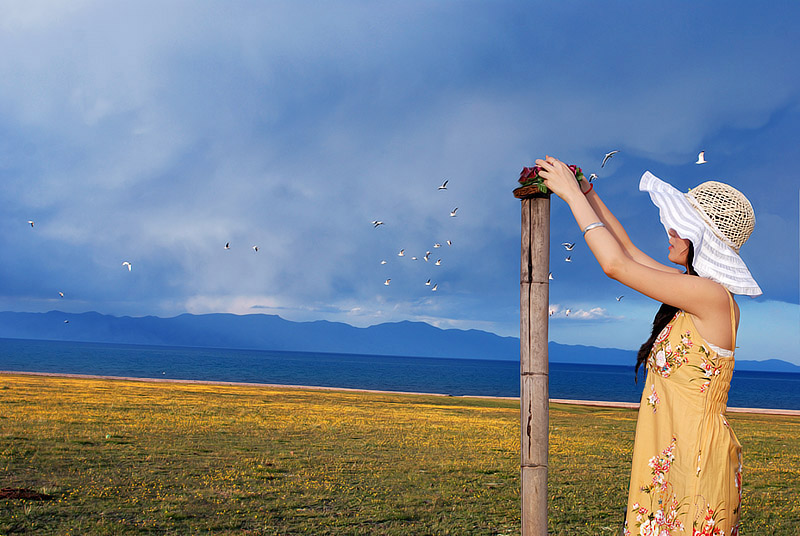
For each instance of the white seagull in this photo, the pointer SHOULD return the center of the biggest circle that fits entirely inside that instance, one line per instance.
(435, 287)
(255, 248)
(437, 245)
(126, 263)
(453, 212)
(383, 262)
(61, 294)
(568, 245)
(701, 158)
(550, 276)
(227, 245)
(593, 177)
(608, 155)
(376, 223)
(387, 282)
(428, 283)
(449, 243)
(569, 258)
(402, 253)
(30, 222)
(413, 258)
(444, 185)
(619, 298)
(438, 262)
(427, 254)
(567, 312)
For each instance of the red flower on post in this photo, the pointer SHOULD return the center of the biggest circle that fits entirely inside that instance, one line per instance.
(530, 175)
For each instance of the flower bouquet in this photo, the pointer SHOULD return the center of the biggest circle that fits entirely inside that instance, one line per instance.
(530, 176)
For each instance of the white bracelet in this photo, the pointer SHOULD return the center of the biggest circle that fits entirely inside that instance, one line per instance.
(591, 226)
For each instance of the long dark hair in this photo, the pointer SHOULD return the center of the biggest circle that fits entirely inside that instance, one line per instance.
(663, 316)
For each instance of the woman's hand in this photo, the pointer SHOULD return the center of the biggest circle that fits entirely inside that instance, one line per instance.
(558, 178)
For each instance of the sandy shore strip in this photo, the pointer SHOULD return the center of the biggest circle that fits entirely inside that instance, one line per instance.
(596, 403)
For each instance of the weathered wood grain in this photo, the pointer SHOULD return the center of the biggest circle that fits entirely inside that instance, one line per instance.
(534, 370)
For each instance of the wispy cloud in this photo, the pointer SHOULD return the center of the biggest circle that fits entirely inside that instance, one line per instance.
(558, 312)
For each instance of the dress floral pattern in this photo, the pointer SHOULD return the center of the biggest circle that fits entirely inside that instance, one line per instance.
(653, 400)
(676, 487)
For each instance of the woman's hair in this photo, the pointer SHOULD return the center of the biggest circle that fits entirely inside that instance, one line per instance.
(663, 316)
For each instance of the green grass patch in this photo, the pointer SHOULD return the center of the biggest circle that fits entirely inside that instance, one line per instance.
(123, 457)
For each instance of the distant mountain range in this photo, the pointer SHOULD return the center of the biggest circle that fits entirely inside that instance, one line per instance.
(271, 332)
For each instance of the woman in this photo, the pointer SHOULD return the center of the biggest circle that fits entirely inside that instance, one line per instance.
(687, 462)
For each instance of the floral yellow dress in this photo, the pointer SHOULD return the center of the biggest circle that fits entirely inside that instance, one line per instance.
(687, 462)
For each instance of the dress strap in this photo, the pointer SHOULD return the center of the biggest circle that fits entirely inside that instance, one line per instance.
(733, 322)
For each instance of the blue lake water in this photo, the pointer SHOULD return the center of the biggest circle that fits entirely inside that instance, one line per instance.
(427, 375)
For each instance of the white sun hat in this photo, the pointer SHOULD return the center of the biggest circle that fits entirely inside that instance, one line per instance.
(718, 219)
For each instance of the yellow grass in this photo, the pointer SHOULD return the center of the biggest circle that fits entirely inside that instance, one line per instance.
(123, 457)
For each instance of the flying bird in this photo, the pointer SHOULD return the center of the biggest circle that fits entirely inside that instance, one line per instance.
(227, 245)
(593, 177)
(608, 155)
(453, 212)
(437, 245)
(387, 282)
(126, 263)
(449, 243)
(66, 321)
(413, 258)
(427, 254)
(568, 245)
(619, 298)
(376, 223)
(61, 294)
(383, 262)
(435, 287)
(444, 185)
(569, 258)
(701, 158)
(567, 312)
(255, 248)
(428, 282)
(438, 262)
(30, 222)
(550, 276)
(402, 253)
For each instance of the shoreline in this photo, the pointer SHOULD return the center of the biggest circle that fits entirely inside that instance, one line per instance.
(594, 403)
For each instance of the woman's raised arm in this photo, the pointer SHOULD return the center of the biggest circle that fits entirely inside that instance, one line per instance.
(618, 231)
(695, 295)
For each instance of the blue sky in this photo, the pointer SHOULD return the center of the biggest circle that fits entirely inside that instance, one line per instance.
(156, 132)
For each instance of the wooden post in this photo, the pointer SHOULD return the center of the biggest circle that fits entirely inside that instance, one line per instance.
(534, 390)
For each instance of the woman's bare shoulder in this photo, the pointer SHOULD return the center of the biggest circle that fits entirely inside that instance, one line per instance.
(712, 301)
(713, 321)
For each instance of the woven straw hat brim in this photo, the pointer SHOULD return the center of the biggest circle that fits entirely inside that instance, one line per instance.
(713, 258)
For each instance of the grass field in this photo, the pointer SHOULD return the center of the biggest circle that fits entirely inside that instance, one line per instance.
(123, 457)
